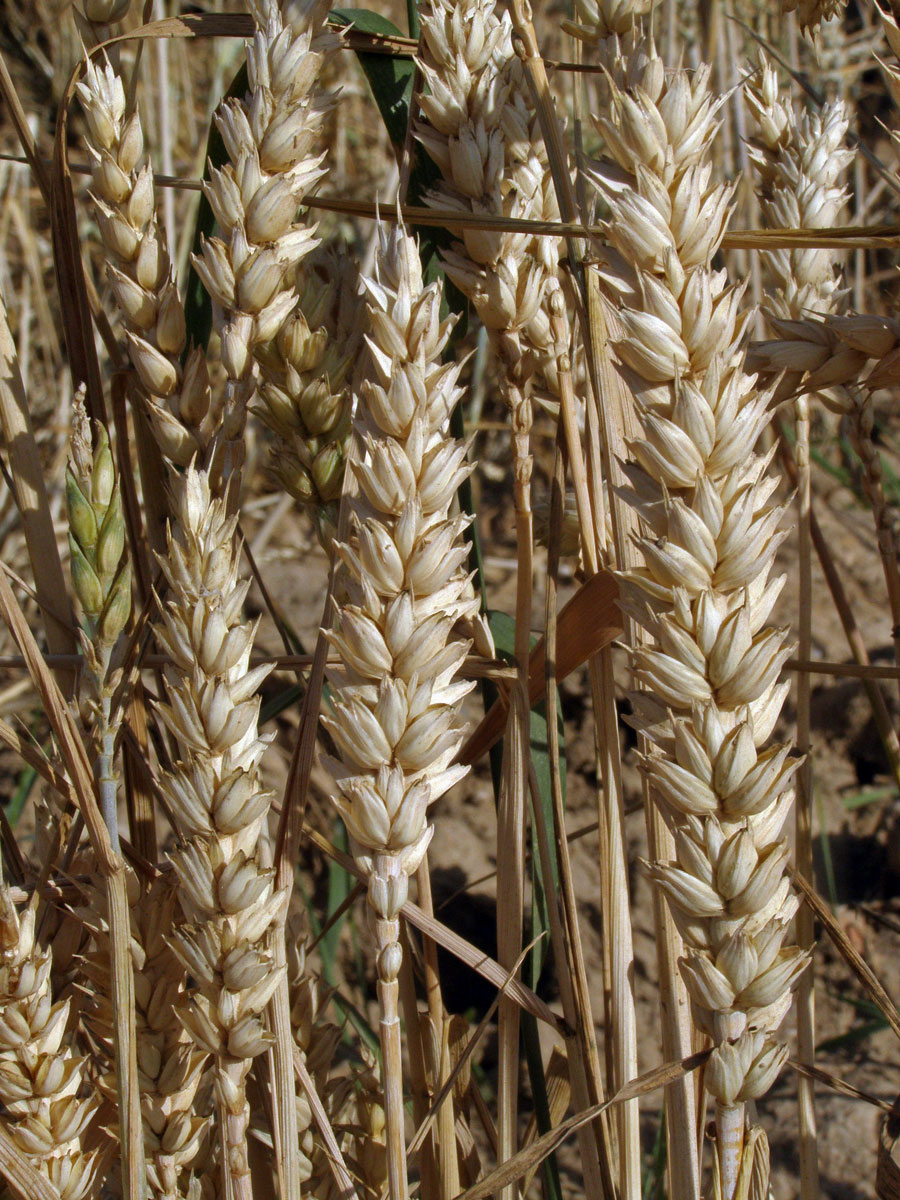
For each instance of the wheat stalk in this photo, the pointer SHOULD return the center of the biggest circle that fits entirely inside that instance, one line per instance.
(711, 668)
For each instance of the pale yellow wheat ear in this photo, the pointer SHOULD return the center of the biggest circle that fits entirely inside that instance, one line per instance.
(179, 403)
(44, 1087)
(220, 806)
(270, 138)
(845, 359)
(395, 719)
(711, 665)
(801, 168)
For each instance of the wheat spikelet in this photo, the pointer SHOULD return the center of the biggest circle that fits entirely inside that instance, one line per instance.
(270, 139)
(395, 720)
(215, 793)
(140, 271)
(42, 1084)
(703, 594)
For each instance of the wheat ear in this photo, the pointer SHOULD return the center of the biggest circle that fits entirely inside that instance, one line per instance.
(801, 169)
(101, 574)
(711, 668)
(477, 127)
(42, 1084)
(396, 720)
(305, 388)
(270, 139)
(140, 272)
(215, 794)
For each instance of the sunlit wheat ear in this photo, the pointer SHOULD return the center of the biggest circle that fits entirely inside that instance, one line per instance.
(801, 168)
(395, 719)
(479, 126)
(270, 138)
(711, 666)
(218, 801)
(305, 388)
(140, 271)
(44, 1088)
(598, 21)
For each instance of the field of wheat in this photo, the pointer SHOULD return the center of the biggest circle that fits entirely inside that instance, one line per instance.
(449, 600)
